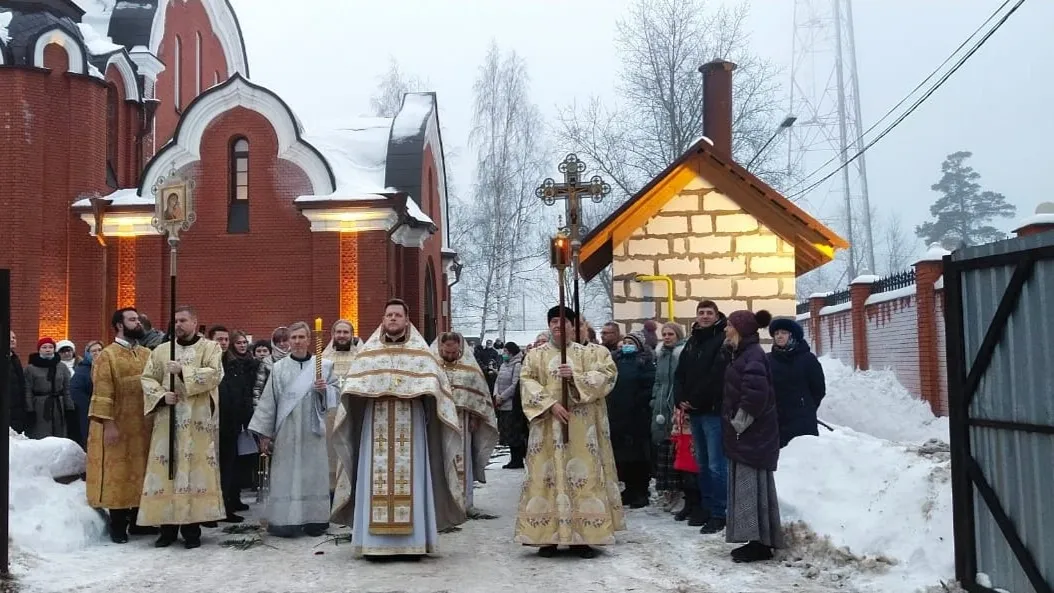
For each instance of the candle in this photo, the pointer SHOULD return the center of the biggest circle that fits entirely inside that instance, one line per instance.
(318, 324)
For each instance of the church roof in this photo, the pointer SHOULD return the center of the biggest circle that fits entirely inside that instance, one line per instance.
(814, 243)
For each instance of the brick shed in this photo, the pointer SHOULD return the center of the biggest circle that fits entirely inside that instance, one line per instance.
(717, 231)
(291, 224)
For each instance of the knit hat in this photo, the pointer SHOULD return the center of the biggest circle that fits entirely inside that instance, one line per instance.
(747, 323)
(637, 337)
(789, 325)
(45, 340)
(65, 344)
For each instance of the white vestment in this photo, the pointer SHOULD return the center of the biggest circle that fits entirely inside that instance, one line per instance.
(293, 414)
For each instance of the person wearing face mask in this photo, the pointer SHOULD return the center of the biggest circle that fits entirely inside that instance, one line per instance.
(512, 424)
(81, 389)
(629, 416)
(47, 394)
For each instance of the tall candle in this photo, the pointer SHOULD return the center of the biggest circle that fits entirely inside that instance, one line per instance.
(318, 324)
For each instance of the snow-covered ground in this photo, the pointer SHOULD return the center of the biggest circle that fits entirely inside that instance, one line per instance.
(867, 509)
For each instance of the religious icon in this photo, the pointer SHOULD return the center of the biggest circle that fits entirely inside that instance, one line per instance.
(174, 211)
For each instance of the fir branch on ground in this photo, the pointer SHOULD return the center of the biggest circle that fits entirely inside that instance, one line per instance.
(242, 528)
(344, 538)
(245, 543)
(476, 514)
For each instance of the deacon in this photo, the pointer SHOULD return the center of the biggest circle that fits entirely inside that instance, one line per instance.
(118, 433)
(340, 351)
(475, 409)
(570, 495)
(179, 506)
(291, 413)
(398, 438)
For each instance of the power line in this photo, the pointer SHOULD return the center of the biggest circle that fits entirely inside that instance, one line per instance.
(944, 78)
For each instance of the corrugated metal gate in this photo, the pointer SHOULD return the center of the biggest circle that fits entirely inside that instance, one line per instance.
(1000, 339)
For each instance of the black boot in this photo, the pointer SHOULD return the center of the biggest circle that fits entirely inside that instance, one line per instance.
(515, 458)
(752, 552)
(547, 551)
(584, 551)
(169, 535)
(713, 525)
(119, 526)
(135, 529)
(191, 535)
(699, 516)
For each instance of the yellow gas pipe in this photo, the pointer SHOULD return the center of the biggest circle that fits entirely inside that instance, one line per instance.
(669, 290)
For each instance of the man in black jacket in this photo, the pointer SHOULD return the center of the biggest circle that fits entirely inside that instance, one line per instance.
(16, 380)
(699, 389)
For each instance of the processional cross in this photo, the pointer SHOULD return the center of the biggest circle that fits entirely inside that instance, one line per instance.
(572, 191)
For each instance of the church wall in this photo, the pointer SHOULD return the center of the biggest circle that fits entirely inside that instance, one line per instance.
(127, 166)
(255, 281)
(712, 249)
(52, 125)
(185, 20)
(433, 247)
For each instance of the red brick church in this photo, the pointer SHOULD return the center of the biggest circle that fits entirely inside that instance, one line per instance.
(101, 99)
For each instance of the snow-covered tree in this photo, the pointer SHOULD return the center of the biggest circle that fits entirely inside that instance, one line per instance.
(963, 213)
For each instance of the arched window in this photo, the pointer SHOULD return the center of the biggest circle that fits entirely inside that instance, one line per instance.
(112, 113)
(431, 315)
(238, 209)
(177, 73)
(197, 65)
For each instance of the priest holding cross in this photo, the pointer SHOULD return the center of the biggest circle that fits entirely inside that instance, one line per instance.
(291, 416)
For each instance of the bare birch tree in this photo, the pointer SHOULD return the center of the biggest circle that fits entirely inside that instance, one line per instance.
(899, 245)
(659, 107)
(501, 256)
(395, 83)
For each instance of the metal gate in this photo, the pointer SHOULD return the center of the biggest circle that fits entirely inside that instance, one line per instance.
(999, 318)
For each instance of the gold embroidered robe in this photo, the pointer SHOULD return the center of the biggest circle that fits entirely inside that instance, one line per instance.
(115, 472)
(384, 373)
(341, 363)
(194, 496)
(570, 494)
(471, 396)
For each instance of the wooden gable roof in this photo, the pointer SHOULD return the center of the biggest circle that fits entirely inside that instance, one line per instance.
(814, 243)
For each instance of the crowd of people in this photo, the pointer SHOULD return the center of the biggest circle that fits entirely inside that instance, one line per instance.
(175, 427)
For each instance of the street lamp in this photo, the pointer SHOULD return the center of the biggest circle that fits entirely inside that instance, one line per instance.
(785, 124)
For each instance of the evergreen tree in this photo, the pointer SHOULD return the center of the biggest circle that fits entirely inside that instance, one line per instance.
(962, 215)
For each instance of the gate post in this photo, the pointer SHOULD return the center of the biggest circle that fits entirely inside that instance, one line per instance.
(816, 302)
(928, 269)
(859, 290)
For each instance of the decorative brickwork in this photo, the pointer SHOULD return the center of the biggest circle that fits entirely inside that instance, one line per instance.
(349, 278)
(125, 272)
(712, 249)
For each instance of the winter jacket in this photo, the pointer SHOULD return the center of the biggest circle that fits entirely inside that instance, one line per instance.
(152, 339)
(700, 375)
(748, 387)
(489, 361)
(507, 381)
(629, 407)
(236, 393)
(16, 394)
(799, 382)
(662, 404)
(48, 400)
(80, 391)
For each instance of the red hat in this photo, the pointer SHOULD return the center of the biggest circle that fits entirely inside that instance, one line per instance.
(44, 340)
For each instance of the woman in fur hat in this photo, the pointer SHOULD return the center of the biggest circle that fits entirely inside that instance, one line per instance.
(798, 379)
(629, 415)
(751, 439)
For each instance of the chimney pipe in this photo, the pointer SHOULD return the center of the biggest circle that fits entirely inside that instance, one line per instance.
(717, 105)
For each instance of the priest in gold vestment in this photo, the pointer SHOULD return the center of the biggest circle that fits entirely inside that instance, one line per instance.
(475, 408)
(398, 438)
(118, 433)
(179, 506)
(570, 494)
(340, 350)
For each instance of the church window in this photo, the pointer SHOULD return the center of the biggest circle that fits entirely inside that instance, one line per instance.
(431, 329)
(197, 65)
(112, 103)
(238, 208)
(177, 73)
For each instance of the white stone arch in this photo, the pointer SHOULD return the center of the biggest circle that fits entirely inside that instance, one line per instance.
(185, 147)
(123, 63)
(224, 25)
(77, 62)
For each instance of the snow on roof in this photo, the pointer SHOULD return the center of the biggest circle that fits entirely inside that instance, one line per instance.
(413, 117)
(934, 253)
(97, 43)
(1044, 215)
(5, 20)
(96, 18)
(121, 197)
(414, 211)
(358, 155)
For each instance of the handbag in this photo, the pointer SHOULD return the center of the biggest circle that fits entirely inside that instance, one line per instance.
(683, 445)
(246, 443)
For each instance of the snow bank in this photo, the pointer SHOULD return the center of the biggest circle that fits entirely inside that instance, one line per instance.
(46, 516)
(877, 488)
(874, 402)
(5, 21)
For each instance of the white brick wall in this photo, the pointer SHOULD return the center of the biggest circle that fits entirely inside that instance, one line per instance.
(892, 340)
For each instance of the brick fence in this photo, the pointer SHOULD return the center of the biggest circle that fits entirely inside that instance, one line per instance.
(894, 323)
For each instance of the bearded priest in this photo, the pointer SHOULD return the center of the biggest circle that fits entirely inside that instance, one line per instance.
(479, 424)
(341, 351)
(570, 495)
(398, 437)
